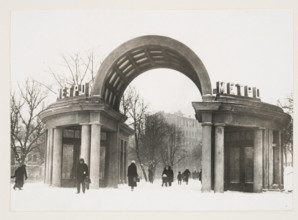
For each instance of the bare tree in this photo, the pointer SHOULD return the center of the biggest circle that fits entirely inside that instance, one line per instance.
(194, 156)
(287, 106)
(77, 69)
(26, 127)
(134, 107)
(172, 151)
(161, 142)
(152, 140)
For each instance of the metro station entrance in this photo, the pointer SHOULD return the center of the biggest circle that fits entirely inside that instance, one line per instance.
(242, 136)
(239, 159)
(71, 153)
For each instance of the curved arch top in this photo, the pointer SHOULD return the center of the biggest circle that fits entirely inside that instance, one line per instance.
(141, 54)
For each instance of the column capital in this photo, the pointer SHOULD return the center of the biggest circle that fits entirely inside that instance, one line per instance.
(219, 124)
(208, 98)
(206, 106)
(260, 128)
(95, 123)
(207, 124)
(85, 123)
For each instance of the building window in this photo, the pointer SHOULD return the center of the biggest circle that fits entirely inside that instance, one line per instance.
(71, 133)
(68, 133)
(77, 134)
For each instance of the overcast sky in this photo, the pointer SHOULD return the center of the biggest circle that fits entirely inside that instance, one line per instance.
(251, 47)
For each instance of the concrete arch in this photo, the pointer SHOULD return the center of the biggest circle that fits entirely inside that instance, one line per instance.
(144, 53)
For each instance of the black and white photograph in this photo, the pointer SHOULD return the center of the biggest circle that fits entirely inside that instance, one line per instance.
(151, 110)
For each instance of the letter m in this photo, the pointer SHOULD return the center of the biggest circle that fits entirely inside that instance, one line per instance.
(221, 87)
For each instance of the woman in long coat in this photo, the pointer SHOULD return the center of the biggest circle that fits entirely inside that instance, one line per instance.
(132, 175)
(170, 175)
(19, 174)
(150, 174)
(186, 175)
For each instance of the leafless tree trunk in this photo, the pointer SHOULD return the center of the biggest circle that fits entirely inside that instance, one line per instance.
(134, 107)
(152, 140)
(26, 127)
(172, 152)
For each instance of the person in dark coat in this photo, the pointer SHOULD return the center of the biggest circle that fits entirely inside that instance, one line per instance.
(170, 175)
(20, 174)
(150, 174)
(82, 174)
(164, 177)
(200, 175)
(186, 175)
(132, 175)
(179, 178)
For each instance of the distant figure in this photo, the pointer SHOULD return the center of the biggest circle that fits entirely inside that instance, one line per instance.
(164, 177)
(132, 175)
(150, 174)
(82, 175)
(170, 175)
(200, 175)
(179, 178)
(186, 175)
(19, 174)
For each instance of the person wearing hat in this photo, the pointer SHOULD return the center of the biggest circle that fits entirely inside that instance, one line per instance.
(132, 175)
(82, 174)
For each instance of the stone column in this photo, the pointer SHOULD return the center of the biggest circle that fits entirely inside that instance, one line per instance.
(46, 180)
(51, 142)
(113, 160)
(206, 157)
(266, 160)
(281, 161)
(270, 158)
(85, 143)
(49, 156)
(219, 158)
(57, 157)
(258, 159)
(95, 155)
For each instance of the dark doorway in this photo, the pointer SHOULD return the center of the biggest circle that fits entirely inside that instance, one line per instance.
(239, 157)
(70, 155)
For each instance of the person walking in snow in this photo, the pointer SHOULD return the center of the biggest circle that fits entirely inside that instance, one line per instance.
(186, 175)
(82, 174)
(20, 174)
(150, 174)
(164, 177)
(170, 175)
(179, 178)
(132, 175)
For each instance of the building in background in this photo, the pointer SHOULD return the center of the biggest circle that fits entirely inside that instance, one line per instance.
(192, 141)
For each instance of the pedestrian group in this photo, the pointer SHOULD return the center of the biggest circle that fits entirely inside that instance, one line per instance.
(82, 176)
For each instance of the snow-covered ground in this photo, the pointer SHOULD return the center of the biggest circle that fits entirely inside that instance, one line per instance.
(41, 197)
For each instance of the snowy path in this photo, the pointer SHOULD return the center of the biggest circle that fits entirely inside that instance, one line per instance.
(40, 197)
